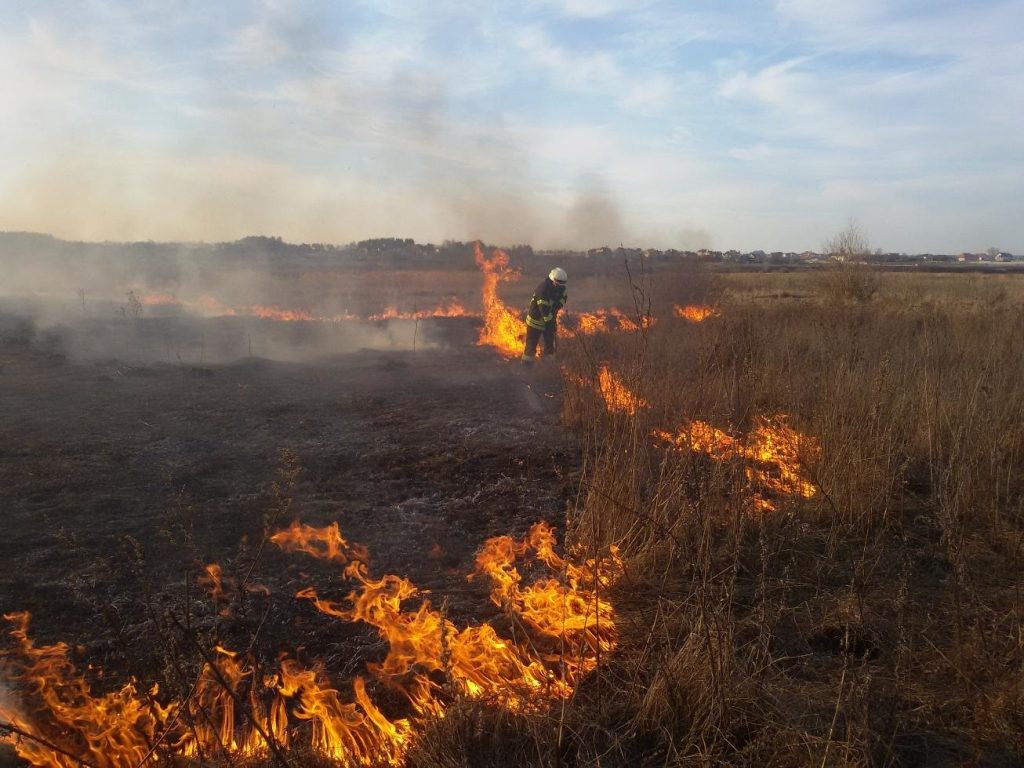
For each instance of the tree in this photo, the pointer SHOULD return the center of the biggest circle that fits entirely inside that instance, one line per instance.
(852, 278)
(849, 245)
(993, 252)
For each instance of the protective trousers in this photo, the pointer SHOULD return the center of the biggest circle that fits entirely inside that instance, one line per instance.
(533, 336)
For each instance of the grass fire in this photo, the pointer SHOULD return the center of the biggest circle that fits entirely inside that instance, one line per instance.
(552, 384)
(716, 527)
(239, 708)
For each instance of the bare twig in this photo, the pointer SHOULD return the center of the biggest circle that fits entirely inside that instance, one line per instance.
(243, 707)
(12, 728)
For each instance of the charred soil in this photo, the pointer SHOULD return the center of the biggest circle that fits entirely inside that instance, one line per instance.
(120, 482)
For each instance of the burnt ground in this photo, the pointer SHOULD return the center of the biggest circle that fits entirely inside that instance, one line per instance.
(118, 481)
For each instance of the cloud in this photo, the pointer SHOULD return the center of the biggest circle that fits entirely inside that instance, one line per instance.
(592, 9)
(551, 121)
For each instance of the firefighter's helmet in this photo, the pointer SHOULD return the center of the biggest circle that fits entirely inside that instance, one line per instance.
(558, 276)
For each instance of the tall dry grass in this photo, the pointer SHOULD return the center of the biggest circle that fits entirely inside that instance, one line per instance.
(877, 623)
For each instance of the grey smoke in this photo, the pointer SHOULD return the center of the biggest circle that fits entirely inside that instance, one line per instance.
(594, 218)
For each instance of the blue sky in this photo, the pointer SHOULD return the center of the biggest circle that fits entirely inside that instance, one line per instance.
(557, 122)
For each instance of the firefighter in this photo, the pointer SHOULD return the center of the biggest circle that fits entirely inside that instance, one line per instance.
(542, 317)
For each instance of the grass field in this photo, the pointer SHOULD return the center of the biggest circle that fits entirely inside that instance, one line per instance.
(816, 492)
(873, 620)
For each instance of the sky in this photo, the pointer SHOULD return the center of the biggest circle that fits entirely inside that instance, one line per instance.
(560, 123)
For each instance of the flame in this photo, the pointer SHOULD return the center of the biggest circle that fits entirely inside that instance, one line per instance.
(503, 329)
(277, 313)
(606, 320)
(353, 732)
(630, 324)
(778, 452)
(210, 306)
(480, 663)
(695, 313)
(571, 612)
(236, 709)
(215, 712)
(323, 543)
(159, 300)
(589, 323)
(212, 579)
(775, 443)
(451, 309)
(618, 398)
(114, 730)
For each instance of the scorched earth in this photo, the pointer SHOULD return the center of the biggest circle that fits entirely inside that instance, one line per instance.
(137, 493)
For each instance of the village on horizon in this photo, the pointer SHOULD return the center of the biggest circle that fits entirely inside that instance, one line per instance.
(396, 249)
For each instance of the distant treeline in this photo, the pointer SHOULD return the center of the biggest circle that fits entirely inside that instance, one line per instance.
(156, 263)
(276, 256)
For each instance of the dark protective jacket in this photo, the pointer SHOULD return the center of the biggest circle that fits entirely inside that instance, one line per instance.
(547, 300)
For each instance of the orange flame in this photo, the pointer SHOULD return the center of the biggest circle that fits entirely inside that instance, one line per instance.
(778, 452)
(476, 659)
(356, 732)
(573, 612)
(695, 313)
(114, 730)
(236, 710)
(503, 329)
(211, 306)
(159, 300)
(452, 309)
(616, 395)
(589, 323)
(217, 705)
(323, 543)
(630, 324)
(277, 313)
(606, 320)
(213, 580)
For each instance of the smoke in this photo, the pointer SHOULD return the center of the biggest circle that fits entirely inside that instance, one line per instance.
(193, 304)
(690, 239)
(594, 218)
(298, 121)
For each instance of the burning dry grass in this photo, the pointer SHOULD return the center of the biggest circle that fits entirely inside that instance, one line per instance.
(695, 313)
(503, 329)
(238, 708)
(787, 574)
(819, 509)
(210, 306)
(776, 455)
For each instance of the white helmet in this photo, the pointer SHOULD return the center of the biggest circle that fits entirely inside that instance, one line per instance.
(558, 276)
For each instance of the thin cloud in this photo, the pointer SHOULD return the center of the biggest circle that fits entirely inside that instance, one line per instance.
(756, 126)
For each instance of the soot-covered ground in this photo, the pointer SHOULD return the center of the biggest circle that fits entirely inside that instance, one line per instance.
(119, 481)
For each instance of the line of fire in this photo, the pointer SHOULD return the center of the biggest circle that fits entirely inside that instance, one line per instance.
(558, 619)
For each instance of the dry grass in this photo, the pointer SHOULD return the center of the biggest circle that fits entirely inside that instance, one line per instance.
(875, 623)
(878, 622)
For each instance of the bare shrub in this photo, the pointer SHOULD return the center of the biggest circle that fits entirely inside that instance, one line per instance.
(851, 277)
